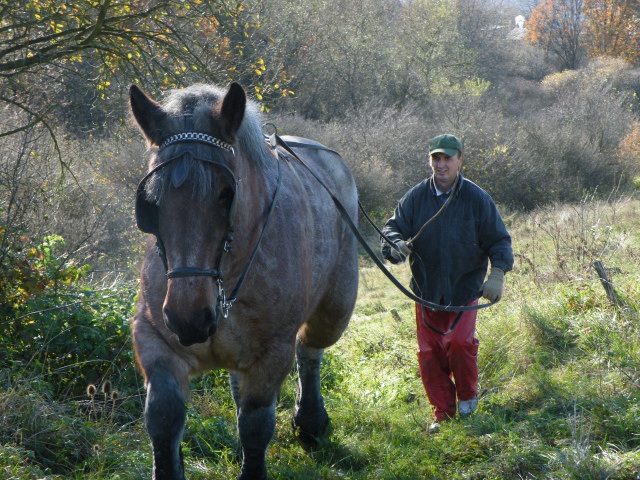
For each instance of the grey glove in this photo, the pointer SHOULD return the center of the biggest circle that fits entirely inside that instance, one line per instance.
(492, 288)
(404, 250)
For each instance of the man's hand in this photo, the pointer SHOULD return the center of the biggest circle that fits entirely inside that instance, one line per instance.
(404, 250)
(492, 288)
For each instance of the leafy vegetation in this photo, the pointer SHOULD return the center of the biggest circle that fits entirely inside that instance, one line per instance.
(574, 30)
(559, 381)
(557, 148)
(57, 328)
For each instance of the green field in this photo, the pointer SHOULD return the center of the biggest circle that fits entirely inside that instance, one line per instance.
(559, 381)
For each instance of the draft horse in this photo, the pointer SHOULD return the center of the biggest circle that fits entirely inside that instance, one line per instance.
(248, 266)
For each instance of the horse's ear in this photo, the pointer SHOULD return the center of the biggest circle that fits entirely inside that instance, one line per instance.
(148, 114)
(232, 110)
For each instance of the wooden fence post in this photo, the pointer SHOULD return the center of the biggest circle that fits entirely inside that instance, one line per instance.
(608, 286)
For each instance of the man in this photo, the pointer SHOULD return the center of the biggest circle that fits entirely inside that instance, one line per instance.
(449, 259)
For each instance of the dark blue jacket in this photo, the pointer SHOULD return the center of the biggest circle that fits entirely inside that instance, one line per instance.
(449, 260)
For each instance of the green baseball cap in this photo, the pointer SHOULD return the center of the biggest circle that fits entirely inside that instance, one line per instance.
(448, 144)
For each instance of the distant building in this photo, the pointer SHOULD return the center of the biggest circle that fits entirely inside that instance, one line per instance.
(518, 32)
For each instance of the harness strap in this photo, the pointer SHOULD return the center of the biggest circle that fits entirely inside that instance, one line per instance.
(194, 272)
(234, 292)
(437, 330)
(456, 185)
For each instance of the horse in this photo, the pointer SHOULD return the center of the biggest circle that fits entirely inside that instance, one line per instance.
(248, 267)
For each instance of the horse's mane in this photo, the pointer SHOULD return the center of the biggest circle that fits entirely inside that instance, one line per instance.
(199, 99)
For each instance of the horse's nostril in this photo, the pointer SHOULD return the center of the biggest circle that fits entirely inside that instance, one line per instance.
(194, 328)
(210, 319)
(169, 319)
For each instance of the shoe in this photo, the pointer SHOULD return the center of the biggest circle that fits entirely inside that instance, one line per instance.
(467, 407)
(434, 427)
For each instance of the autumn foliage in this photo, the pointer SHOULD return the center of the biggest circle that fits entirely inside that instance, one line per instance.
(573, 30)
(612, 29)
(556, 26)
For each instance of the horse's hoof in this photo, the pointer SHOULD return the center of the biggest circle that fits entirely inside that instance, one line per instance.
(310, 440)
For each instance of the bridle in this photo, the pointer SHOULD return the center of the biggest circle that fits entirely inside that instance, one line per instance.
(147, 215)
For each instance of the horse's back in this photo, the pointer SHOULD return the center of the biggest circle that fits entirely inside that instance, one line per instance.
(331, 169)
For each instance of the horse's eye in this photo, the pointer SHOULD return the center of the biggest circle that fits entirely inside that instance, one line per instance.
(226, 196)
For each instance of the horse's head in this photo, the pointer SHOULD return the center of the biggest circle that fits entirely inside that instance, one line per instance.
(188, 197)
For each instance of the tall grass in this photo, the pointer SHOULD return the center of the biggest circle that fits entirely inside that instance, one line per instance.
(559, 383)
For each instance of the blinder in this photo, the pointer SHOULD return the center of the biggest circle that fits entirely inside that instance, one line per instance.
(147, 212)
(147, 217)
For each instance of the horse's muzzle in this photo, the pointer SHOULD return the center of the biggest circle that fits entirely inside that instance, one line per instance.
(194, 329)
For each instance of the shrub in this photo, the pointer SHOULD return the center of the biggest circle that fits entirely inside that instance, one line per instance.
(55, 327)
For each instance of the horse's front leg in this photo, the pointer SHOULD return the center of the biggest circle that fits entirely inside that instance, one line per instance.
(310, 420)
(164, 415)
(255, 393)
(256, 426)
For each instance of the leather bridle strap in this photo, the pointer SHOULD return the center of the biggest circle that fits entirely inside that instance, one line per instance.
(228, 303)
(437, 330)
(194, 272)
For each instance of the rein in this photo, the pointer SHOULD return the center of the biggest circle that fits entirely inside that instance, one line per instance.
(274, 141)
(428, 222)
(379, 263)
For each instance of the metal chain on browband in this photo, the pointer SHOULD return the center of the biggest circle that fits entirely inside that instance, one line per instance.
(196, 137)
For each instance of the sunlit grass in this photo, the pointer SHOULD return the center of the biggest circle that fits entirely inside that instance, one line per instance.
(559, 391)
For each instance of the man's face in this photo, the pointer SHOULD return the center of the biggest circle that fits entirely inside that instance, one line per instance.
(445, 169)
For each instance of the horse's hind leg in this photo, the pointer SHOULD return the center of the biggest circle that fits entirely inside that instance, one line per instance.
(164, 415)
(310, 420)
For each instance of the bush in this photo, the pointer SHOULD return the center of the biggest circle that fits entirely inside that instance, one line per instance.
(55, 327)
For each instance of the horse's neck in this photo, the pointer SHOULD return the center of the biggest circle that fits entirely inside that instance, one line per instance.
(256, 189)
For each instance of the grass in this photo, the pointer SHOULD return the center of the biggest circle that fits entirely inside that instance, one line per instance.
(559, 384)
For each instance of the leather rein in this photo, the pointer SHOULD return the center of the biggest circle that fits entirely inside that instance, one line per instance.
(286, 145)
(225, 303)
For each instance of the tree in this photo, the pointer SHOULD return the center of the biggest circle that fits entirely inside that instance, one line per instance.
(46, 44)
(556, 26)
(612, 28)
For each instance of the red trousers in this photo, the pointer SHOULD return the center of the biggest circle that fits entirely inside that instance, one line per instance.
(445, 358)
